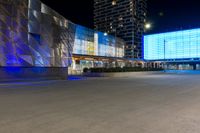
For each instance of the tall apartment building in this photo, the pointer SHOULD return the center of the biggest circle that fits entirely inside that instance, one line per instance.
(124, 19)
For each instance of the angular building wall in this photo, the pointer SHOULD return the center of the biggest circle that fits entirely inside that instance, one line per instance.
(14, 32)
(56, 37)
(33, 35)
(37, 41)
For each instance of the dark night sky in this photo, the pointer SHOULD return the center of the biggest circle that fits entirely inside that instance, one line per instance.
(165, 15)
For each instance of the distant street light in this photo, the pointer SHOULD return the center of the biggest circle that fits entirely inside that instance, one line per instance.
(105, 34)
(148, 26)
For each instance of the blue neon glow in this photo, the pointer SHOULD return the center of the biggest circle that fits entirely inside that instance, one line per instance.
(172, 45)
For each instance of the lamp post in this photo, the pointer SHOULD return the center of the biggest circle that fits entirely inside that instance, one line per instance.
(147, 27)
(164, 54)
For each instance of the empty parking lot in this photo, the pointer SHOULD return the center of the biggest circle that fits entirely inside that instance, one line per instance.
(160, 103)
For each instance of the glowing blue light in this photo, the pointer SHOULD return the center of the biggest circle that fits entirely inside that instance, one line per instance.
(13, 70)
(172, 45)
(75, 78)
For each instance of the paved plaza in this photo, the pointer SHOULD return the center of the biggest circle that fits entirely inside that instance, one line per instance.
(160, 103)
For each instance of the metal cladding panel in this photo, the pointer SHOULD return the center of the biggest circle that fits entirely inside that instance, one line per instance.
(15, 2)
(34, 16)
(34, 27)
(31, 34)
(46, 10)
(35, 5)
(60, 39)
(14, 32)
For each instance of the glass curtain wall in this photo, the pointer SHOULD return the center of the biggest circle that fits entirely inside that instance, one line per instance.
(89, 42)
(173, 45)
(84, 41)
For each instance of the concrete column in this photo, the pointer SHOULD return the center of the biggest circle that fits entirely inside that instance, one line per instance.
(194, 66)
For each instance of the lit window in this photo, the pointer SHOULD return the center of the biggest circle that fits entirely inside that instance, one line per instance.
(120, 18)
(114, 2)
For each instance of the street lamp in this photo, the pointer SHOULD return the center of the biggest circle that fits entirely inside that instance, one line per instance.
(148, 26)
(164, 54)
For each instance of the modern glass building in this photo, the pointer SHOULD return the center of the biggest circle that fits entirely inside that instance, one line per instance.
(34, 40)
(173, 47)
(96, 49)
(37, 41)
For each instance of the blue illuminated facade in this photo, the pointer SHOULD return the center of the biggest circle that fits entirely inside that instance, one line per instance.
(172, 46)
(34, 35)
(96, 49)
(37, 41)
(95, 43)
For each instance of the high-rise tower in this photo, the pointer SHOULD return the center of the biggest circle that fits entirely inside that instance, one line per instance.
(124, 19)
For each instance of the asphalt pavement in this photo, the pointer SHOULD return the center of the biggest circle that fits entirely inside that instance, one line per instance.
(160, 103)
